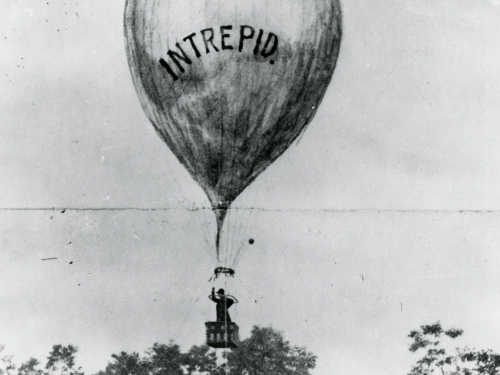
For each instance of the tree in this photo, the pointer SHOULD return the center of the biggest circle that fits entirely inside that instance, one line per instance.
(7, 366)
(484, 362)
(61, 360)
(126, 364)
(436, 359)
(166, 359)
(30, 368)
(201, 360)
(266, 352)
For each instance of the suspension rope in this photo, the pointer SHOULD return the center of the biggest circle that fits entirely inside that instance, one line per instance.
(244, 224)
(252, 220)
(228, 234)
(235, 234)
(250, 223)
(201, 230)
(225, 232)
(226, 335)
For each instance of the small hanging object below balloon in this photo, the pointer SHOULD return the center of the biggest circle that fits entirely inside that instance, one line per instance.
(222, 271)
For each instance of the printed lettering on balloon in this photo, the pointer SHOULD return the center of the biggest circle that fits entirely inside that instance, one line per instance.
(226, 38)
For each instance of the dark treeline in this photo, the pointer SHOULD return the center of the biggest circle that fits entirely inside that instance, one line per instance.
(264, 352)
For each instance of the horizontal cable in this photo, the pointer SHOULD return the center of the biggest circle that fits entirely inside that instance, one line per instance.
(341, 210)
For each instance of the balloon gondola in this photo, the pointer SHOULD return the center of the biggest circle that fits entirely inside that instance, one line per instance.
(222, 335)
(229, 85)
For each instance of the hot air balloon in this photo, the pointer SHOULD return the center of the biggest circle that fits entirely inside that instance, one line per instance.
(230, 84)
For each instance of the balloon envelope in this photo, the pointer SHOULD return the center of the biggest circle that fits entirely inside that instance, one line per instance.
(230, 84)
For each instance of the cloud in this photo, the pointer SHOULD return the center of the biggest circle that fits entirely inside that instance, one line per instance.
(495, 2)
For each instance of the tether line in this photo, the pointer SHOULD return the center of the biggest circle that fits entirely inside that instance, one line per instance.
(319, 210)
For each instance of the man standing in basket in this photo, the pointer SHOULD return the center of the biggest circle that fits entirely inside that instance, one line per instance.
(223, 304)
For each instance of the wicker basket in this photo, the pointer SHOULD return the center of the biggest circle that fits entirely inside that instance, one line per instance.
(222, 335)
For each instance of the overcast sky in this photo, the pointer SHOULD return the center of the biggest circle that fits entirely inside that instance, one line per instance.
(384, 216)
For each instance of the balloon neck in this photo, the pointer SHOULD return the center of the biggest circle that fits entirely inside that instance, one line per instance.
(220, 215)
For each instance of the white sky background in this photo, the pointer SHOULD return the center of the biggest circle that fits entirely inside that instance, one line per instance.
(405, 141)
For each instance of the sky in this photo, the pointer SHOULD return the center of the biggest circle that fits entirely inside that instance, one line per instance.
(383, 217)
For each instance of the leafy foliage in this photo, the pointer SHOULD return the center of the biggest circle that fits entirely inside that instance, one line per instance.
(436, 358)
(30, 367)
(126, 364)
(265, 352)
(485, 362)
(61, 360)
(7, 367)
(201, 359)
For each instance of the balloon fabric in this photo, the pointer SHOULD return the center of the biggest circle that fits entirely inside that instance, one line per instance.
(230, 84)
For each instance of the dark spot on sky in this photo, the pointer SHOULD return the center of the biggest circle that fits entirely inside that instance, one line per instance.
(63, 211)
(70, 262)
(251, 241)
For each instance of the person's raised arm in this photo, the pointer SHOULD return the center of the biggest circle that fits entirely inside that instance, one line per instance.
(212, 296)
